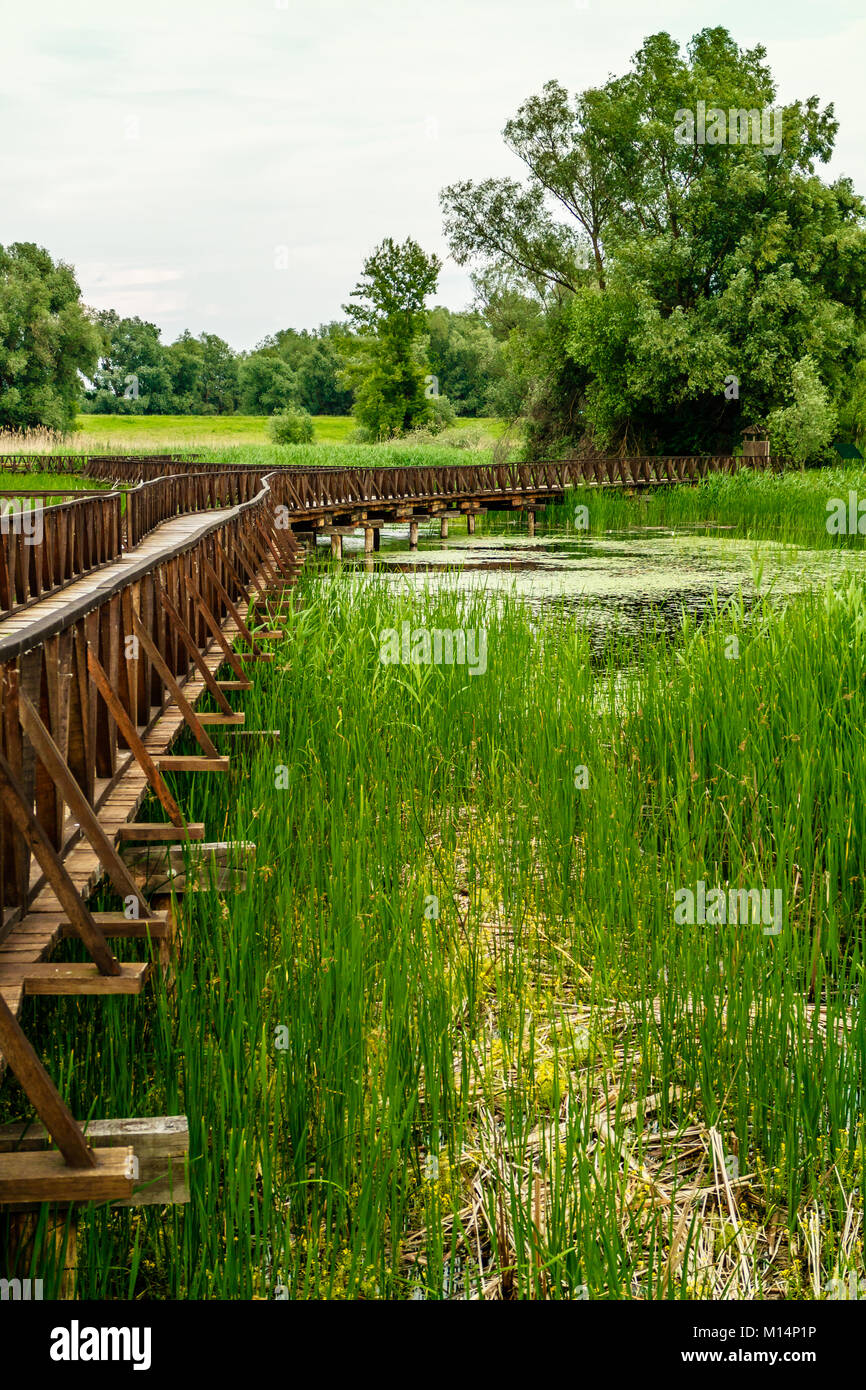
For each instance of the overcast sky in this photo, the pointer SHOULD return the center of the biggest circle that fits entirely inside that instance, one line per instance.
(225, 165)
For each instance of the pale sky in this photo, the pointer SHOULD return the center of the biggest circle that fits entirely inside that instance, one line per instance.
(226, 165)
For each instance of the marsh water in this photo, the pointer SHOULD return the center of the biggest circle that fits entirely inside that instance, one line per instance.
(625, 578)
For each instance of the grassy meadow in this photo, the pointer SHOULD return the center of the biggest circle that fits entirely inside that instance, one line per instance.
(111, 433)
(451, 1041)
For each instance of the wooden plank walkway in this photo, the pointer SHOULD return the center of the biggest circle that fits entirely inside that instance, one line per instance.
(102, 663)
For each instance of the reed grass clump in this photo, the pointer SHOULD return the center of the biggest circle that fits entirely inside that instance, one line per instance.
(789, 506)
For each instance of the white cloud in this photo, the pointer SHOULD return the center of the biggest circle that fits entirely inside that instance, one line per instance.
(192, 139)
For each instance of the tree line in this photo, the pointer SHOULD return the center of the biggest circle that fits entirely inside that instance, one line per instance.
(59, 358)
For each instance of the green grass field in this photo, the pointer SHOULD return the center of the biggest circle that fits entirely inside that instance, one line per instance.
(98, 433)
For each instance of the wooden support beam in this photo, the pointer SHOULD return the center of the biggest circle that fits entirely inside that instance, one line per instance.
(223, 719)
(26, 824)
(42, 1093)
(49, 754)
(235, 685)
(206, 673)
(131, 928)
(160, 1144)
(156, 830)
(74, 977)
(44, 1177)
(130, 733)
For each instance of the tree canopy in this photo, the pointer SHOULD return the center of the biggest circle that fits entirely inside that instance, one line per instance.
(46, 339)
(667, 268)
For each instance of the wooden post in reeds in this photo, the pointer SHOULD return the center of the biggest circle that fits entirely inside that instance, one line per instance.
(50, 1251)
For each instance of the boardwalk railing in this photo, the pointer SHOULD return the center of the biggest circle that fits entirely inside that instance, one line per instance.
(159, 499)
(44, 548)
(311, 489)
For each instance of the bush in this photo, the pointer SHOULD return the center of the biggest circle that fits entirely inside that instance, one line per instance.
(469, 437)
(803, 430)
(291, 427)
(440, 414)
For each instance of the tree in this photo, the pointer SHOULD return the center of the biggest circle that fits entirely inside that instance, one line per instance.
(266, 384)
(46, 340)
(680, 279)
(462, 353)
(184, 361)
(133, 375)
(219, 376)
(319, 375)
(387, 370)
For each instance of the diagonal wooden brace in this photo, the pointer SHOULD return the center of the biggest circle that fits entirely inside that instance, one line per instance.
(171, 682)
(223, 593)
(42, 1092)
(15, 800)
(132, 736)
(230, 569)
(192, 646)
(54, 763)
(211, 621)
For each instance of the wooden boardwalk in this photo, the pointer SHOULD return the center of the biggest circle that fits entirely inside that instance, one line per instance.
(98, 677)
(43, 617)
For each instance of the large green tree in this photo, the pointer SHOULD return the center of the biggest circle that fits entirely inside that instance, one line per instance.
(463, 355)
(388, 370)
(687, 287)
(267, 384)
(47, 340)
(134, 373)
(316, 362)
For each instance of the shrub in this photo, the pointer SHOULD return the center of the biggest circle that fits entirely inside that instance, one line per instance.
(469, 437)
(803, 430)
(440, 414)
(291, 427)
